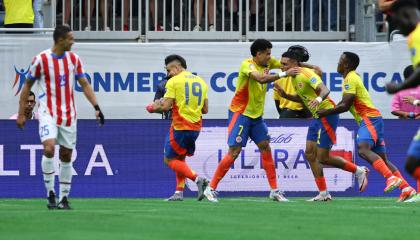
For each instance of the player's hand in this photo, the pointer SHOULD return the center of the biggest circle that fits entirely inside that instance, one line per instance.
(150, 108)
(100, 118)
(409, 99)
(321, 112)
(293, 71)
(20, 121)
(313, 103)
(392, 88)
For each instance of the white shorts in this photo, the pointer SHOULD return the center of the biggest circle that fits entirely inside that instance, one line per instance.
(64, 136)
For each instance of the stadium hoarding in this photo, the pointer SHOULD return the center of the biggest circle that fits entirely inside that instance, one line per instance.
(124, 158)
(125, 75)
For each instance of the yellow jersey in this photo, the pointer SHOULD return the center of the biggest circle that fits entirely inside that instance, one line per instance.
(362, 106)
(413, 41)
(18, 11)
(249, 96)
(287, 86)
(189, 92)
(305, 84)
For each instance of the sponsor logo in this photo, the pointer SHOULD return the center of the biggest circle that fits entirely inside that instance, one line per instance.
(20, 78)
(238, 139)
(313, 80)
(346, 86)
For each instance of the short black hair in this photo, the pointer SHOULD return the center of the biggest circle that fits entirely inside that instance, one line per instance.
(352, 59)
(403, 3)
(408, 71)
(291, 55)
(60, 31)
(31, 93)
(301, 51)
(260, 45)
(175, 57)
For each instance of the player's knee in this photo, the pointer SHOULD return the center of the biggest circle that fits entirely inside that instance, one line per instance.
(49, 151)
(310, 155)
(363, 152)
(411, 165)
(264, 146)
(234, 152)
(65, 155)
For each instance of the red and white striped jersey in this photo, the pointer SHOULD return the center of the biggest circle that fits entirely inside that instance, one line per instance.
(55, 77)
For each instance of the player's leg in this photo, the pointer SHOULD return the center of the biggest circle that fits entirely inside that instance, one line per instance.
(66, 138)
(48, 135)
(412, 165)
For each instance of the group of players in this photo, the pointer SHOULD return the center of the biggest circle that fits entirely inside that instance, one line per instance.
(55, 70)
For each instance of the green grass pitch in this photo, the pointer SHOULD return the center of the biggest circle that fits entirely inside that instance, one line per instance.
(231, 218)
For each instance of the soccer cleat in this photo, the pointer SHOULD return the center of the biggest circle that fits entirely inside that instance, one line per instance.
(362, 179)
(211, 194)
(202, 183)
(277, 196)
(178, 196)
(321, 197)
(52, 204)
(406, 193)
(414, 199)
(64, 204)
(392, 183)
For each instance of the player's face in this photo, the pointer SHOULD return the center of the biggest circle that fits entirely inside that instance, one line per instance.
(341, 64)
(287, 63)
(406, 20)
(263, 57)
(67, 41)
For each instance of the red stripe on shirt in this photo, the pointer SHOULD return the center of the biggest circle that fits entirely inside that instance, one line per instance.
(67, 91)
(47, 82)
(57, 91)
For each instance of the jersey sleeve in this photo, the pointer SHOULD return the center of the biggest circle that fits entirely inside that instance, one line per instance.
(414, 45)
(170, 89)
(34, 72)
(274, 63)
(247, 68)
(311, 78)
(79, 70)
(349, 85)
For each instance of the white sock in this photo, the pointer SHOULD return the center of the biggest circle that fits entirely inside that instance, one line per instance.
(359, 170)
(178, 191)
(47, 165)
(65, 178)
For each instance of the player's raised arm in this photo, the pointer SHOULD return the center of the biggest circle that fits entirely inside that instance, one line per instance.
(159, 106)
(90, 95)
(412, 81)
(283, 94)
(322, 91)
(20, 121)
(343, 106)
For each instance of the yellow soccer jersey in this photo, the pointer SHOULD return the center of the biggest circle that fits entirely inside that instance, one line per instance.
(413, 41)
(287, 86)
(362, 106)
(249, 96)
(189, 92)
(305, 84)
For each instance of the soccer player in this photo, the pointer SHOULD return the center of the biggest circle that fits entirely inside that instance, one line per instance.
(370, 139)
(245, 116)
(407, 18)
(54, 71)
(321, 133)
(186, 95)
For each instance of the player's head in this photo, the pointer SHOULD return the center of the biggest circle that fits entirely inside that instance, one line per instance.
(301, 51)
(408, 71)
(348, 62)
(406, 15)
(261, 51)
(63, 37)
(289, 60)
(175, 64)
(30, 103)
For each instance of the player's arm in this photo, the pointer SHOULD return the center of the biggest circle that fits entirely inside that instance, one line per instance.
(160, 106)
(20, 121)
(205, 108)
(277, 103)
(322, 91)
(283, 94)
(412, 81)
(90, 95)
(316, 69)
(268, 78)
(343, 106)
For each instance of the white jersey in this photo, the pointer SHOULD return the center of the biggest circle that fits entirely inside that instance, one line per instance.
(55, 77)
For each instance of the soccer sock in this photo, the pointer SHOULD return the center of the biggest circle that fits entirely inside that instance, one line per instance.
(322, 185)
(65, 178)
(182, 168)
(270, 169)
(404, 183)
(418, 185)
(380, 166)
(180, 182)
(416, 174)
(221, 170)
(350, 167)
(47, 165)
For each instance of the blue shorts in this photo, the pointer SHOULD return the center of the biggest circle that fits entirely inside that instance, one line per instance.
(322, 131)
(371, 131)
(180, 143)
(414, 149)
(241, 127)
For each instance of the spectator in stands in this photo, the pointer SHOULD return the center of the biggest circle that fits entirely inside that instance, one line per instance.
(29, 109)
(198, 14)
(385, 7)
(19, 14)
(406, 103)
(39, 15)
(332, 22)
(168, 22)
(101, 12)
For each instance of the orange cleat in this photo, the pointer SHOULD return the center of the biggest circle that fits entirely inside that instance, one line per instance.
(392, 183)
(406, 194)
